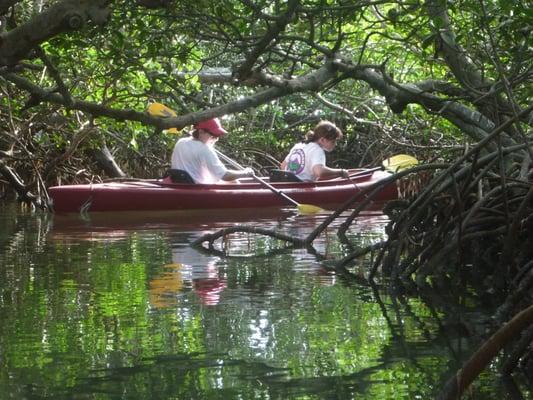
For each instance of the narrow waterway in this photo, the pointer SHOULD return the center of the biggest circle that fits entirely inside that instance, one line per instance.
(121, 307)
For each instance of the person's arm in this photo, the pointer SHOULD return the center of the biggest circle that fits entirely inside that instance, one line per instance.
(232, 174)
(323, 172)
(283, 165)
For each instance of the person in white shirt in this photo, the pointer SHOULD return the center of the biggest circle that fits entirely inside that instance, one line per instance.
(307, 160)
(196, 155)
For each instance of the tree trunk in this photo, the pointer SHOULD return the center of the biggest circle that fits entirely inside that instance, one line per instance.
(105, 160)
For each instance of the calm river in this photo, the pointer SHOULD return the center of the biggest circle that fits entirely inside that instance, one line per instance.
(121, 307)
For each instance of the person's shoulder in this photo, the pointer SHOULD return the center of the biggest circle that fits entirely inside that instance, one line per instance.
(314, 146)
(185, 139)
(299, 145)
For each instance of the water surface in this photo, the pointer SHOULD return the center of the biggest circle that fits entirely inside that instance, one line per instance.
(121, 307)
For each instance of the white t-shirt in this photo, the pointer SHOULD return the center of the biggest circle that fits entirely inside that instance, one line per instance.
(303, 157)
(198, 159)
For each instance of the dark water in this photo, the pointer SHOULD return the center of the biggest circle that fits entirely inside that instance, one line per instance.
(121, 307)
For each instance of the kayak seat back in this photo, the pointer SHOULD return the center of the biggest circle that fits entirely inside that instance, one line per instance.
(178, 176)
(279, 175)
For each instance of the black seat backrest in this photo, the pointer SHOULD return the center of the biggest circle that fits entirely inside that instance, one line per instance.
(279, 175)
(178, 176)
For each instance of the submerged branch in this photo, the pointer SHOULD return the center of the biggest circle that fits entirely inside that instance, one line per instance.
(457, 384)
(210, 238)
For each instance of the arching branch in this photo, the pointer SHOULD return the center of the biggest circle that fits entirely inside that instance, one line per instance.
(244, 70)
(310, 82)
(64, 16)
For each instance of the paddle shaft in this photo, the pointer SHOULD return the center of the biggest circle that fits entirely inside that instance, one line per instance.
(366, 171)
(302, 207)
(396, 161)
(239, 166)
(228, 160)
(258, 179)
(277, 191)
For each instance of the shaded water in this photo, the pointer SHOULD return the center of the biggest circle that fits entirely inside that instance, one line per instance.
(120, 307)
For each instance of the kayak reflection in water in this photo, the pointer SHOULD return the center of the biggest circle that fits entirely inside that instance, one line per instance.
(189, 270)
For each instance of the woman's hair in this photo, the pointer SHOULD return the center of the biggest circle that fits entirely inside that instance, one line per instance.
(323, 129)
(195, 133)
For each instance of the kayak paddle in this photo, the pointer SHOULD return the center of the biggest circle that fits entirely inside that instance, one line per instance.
(302, 208)
(392, 164)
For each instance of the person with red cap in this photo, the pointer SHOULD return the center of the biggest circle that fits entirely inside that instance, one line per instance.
(195, 154)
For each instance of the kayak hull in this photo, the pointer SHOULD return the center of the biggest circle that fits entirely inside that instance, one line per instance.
(161, 194)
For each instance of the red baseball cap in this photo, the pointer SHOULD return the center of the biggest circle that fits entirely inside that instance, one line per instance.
(213, 126)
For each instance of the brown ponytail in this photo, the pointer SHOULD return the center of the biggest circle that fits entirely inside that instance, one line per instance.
(324, 129)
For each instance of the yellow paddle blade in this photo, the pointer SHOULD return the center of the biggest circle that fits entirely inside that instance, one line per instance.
(398, 162)
(160, 110)
(309, 209)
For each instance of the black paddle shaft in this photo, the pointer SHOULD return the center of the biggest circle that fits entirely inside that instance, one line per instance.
(277, 191)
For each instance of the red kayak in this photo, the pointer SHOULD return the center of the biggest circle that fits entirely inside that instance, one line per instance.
(162, 194)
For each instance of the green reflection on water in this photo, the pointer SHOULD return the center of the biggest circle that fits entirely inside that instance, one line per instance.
(129, 314)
